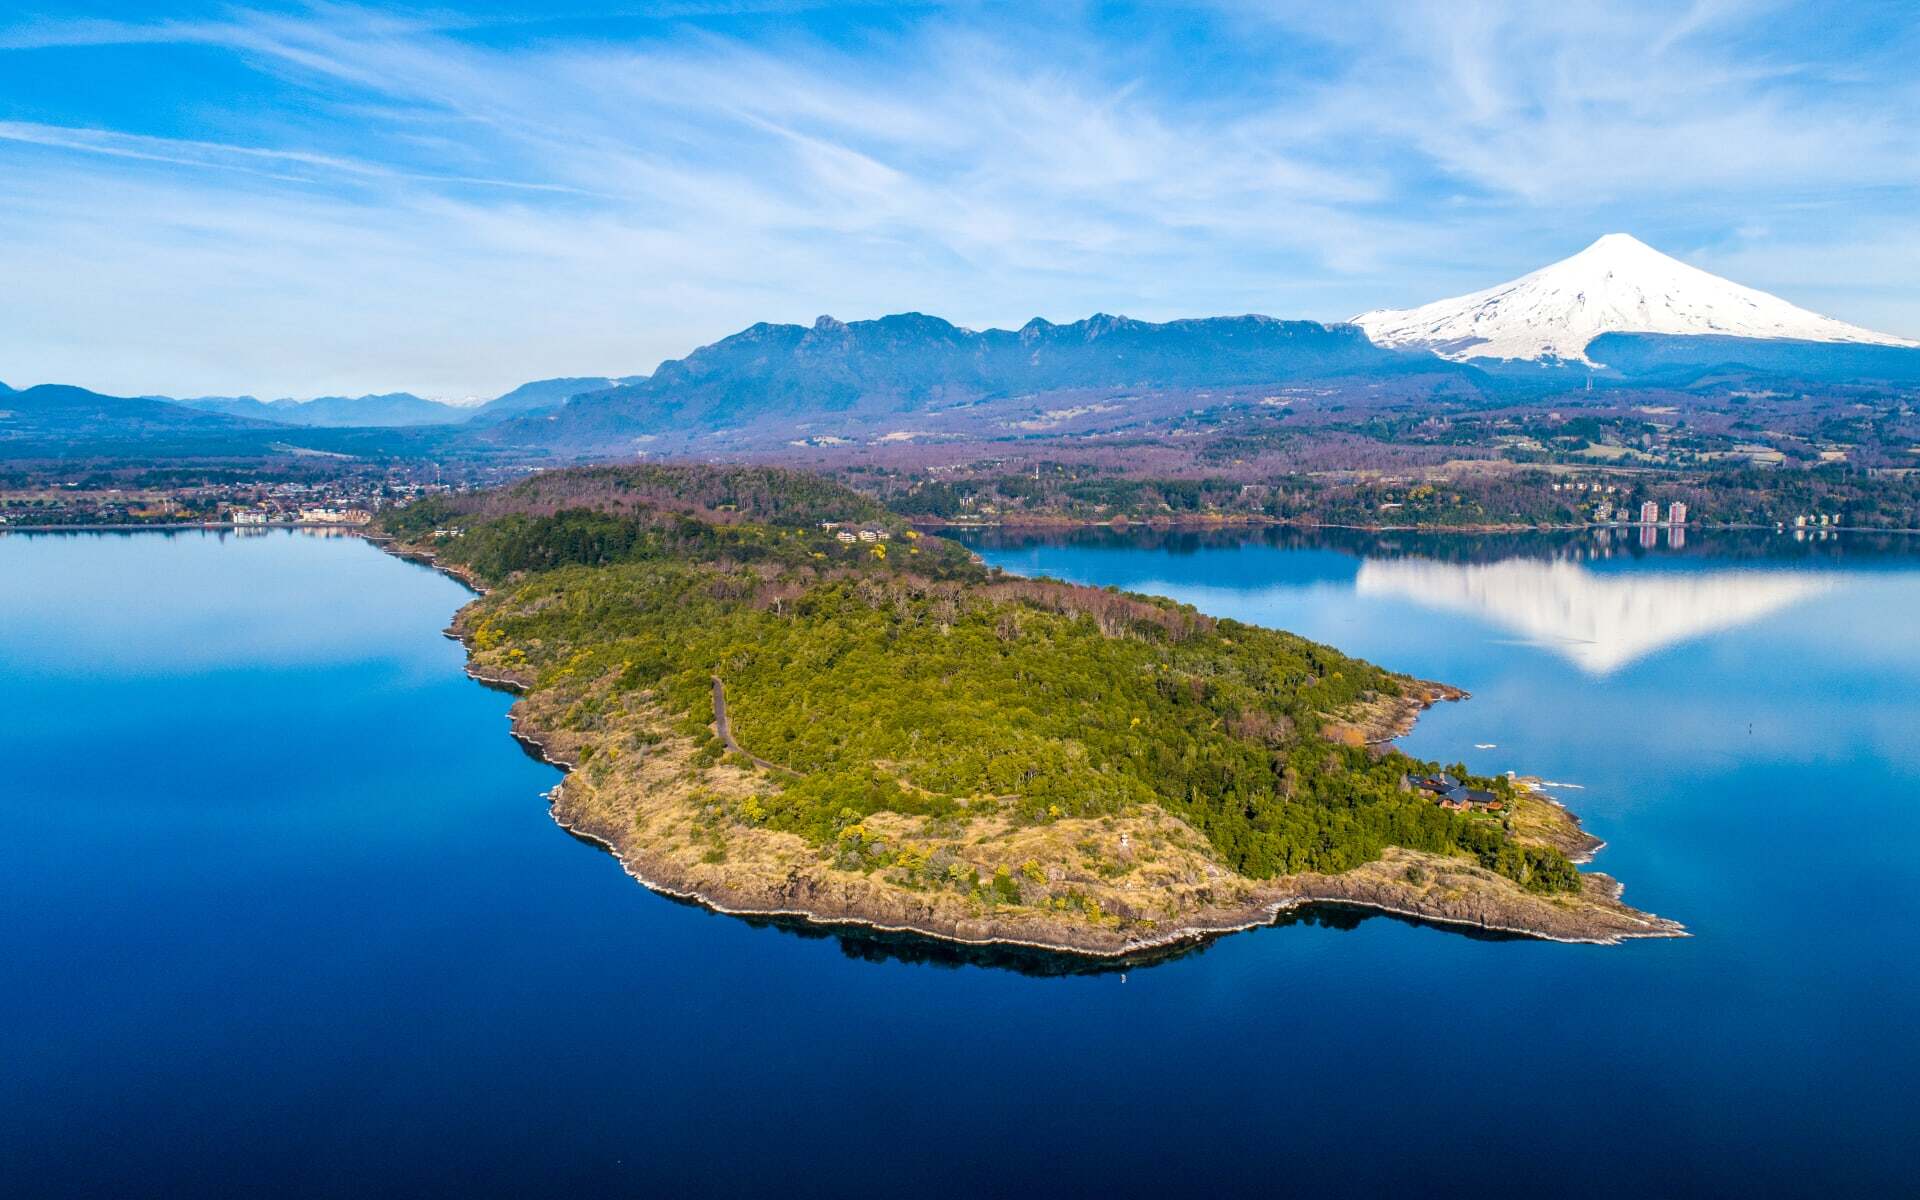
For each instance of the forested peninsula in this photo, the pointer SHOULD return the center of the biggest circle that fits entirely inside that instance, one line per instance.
(776, 697)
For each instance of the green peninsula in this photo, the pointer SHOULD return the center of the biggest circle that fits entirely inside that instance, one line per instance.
(776, 697)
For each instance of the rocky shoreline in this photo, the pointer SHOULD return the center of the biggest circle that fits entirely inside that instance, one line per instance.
(776, 876)
(1488, 904)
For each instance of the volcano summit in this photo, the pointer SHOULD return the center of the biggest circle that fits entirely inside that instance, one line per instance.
(1617, 285)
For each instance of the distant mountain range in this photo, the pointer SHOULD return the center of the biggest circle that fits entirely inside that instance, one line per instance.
(401, 409)
(785, 380)
(543, 394)
(62, 421)
(390, 409)
(57, 410)
(914, 376)
(56, 421)
(1618, 314)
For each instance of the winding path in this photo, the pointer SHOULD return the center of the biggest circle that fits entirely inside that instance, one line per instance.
(725, 731)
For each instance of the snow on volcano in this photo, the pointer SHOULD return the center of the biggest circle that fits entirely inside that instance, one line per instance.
(1617, 285)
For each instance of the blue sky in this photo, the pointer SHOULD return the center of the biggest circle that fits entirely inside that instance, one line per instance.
(307, 199)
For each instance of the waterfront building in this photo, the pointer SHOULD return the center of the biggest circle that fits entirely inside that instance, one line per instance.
(326, 514)
(1677, 513)
(1650, 513)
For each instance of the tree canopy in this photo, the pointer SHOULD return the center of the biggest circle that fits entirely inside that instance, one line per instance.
(899, 675)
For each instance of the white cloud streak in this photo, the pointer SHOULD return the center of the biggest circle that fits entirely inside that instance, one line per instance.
(453, 217)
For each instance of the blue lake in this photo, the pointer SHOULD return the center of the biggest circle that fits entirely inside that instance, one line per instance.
(282, 911)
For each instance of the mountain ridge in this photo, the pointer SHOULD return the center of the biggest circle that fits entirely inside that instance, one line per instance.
(53, 419)
(913, 364)
(390, 409)
(395, 410)
(544, 393)
(913, 376)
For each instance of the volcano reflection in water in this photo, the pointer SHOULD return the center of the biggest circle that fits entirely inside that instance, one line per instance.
(1599, 622)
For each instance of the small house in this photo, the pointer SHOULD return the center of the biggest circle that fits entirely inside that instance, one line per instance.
(1462, 799)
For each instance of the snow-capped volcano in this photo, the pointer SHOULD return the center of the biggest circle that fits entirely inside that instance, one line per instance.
(1617, 285)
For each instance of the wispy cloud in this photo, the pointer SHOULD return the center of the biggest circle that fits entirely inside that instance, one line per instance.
(435, 202)
(289, 166)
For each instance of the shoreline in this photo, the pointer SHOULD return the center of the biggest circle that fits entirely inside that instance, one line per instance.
(1192, 524)
(1185, 524)
(1272, 899)
(1262, 914)
(177, 526)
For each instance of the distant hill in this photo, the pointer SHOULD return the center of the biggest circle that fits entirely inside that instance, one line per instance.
(56, 421)
(719, 495)
(544, 393)
(1643, 358)
(60, 420)
(53, 420)
(391, 409)
(772, 380)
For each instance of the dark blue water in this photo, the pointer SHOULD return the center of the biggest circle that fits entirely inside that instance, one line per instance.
(282, 912)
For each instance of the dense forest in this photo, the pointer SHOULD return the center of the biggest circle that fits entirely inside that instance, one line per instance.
(1524, 496)
(899, 675)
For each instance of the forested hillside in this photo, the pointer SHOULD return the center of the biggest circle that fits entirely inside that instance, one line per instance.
(896, 676)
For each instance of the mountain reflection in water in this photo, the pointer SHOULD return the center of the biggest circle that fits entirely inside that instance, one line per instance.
(251, 962)
(1599, 622)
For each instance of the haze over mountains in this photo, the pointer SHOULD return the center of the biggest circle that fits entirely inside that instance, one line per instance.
(1618, 312)
(60, 421)
(56, 421)
(389, 409)
(51, 415)
(399, 409)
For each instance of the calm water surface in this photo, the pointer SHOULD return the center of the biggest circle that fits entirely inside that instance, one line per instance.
(282, 911)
